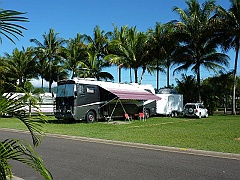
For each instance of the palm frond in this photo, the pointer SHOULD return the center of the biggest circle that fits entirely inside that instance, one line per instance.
(8, 18)
(12, 149)
(10, 104)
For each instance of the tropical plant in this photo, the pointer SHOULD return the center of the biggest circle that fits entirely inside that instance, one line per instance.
(115, 56)
(12, 149)
(48, 53)
(129, 50)
(9, 28)
(96, 51)
(197, 46)
(230, 38)
(217, 90)
(59, 72)
(163, 45)
(20, 65)
(3, 70)
(187, 86)
(75, 55)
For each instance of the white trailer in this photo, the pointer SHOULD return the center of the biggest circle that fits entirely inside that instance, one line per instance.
(171, 103)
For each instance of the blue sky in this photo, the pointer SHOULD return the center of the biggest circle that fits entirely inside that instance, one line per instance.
(81, 16)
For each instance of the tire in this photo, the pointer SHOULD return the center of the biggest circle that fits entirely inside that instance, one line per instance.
(175, 114)
(190, 110)
(200, 116)
(91, 117)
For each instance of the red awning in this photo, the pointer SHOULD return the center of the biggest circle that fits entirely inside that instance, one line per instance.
(132, 93)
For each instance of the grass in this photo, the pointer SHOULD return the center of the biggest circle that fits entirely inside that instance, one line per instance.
(215, 133)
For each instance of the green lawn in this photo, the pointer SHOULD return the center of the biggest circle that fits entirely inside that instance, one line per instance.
(215, 133)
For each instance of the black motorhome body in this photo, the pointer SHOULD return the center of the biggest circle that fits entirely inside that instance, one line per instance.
(82, 99)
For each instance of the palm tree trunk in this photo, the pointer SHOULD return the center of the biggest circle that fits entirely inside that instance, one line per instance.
(143, 72)
(198, 84)
(49, 89)
(136, 75)
(119, 75)
(157, 74)
(235, 80)
(130, 75)
(168, 72)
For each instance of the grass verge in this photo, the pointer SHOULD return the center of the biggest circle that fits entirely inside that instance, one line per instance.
(219, 133)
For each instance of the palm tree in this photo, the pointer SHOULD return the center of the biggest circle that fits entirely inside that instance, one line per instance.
(9, 29)
(231, 38)
(115, 55)
(94, 67)
(96, 51)
(21, 65)
(197, 46)
(49, 51)
(41, 64)
(75, 54)
(135, 50)
(130, 51)
(163, 44)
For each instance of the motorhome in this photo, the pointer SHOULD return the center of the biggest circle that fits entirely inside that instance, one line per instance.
(91, 100)
(171, 103)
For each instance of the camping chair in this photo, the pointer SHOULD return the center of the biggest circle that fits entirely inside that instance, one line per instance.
(141, 116)
(127, 117)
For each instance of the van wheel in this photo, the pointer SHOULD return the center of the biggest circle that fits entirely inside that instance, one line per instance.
(91, 117)
(200, 116)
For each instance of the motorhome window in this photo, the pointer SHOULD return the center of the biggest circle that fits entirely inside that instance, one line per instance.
(80, 89)
(91, 89)
(65, 90)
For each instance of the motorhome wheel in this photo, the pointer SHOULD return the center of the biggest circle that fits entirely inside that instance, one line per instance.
(91, 117)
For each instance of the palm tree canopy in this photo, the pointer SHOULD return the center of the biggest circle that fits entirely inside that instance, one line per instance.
(128, 49)
(75, 54)
(230, 28)
(9, 28)
(96, 51)
(197, 43)
(21, 65)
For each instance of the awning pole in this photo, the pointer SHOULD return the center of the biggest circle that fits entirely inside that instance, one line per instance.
(113, 110)
(122, 106)
(107, 102)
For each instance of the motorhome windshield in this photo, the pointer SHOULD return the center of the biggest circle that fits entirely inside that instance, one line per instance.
(65, 90)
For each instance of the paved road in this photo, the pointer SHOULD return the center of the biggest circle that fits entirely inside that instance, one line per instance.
(74, 159)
